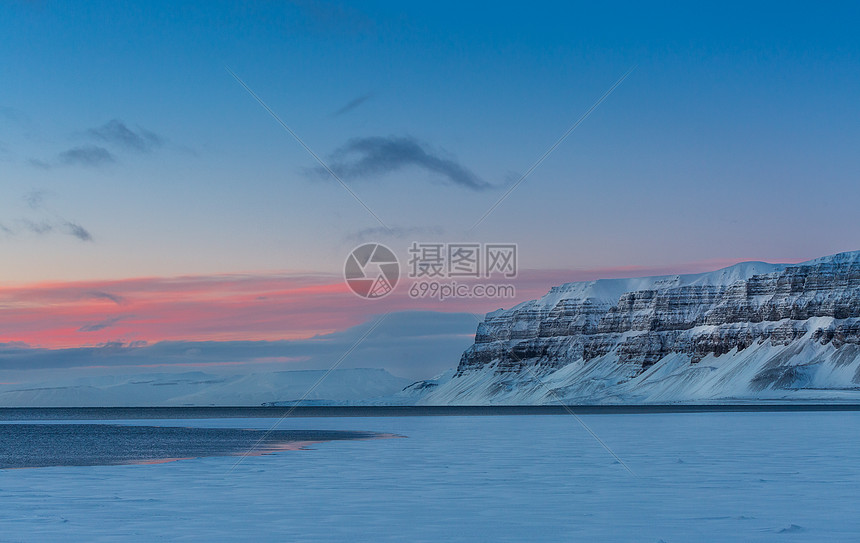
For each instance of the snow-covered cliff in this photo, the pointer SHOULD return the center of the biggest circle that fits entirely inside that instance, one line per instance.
(750, 331)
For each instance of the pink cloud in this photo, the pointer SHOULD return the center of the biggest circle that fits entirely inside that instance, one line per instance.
(273, 306)
(239, 306)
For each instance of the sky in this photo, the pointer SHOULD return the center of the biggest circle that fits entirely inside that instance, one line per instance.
(149, 196)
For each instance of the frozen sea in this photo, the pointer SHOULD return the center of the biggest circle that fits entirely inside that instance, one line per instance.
(696, 477)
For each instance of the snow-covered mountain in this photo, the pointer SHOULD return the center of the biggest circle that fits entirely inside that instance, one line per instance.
(198, 388)
(750, 331)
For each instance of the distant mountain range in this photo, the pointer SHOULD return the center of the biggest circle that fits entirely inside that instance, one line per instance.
(342, 386)
(753, 331)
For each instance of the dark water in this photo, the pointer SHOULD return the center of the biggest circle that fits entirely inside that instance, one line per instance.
(77, 443)
(137, 413)
(43, 445)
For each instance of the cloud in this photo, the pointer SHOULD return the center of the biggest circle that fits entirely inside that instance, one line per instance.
(85, 155)
(35, 199)
(68, 227)
(97, 326)
(101, 295)
(114, 133)
(380, 232)
(375, 156)
(76, 230)
(117, 133)
(43, 227)
(37, 227)
(352, 104)
(264, 307)
(49, 223)
(414, 344)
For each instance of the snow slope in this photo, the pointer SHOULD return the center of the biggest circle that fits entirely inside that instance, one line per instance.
(753, 331)
(198, 388)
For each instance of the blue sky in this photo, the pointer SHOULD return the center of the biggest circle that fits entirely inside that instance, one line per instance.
(704, 152)
(127, 149)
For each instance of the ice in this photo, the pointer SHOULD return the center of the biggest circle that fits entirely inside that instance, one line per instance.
(198, 388)
(698, 477)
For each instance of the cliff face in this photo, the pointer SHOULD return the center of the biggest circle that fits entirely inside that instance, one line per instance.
(748, 331)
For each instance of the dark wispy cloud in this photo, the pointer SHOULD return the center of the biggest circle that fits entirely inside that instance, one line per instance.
(35, 199)
(45, 226)
(352, 104)
(101, 295)
(43, 221)
(37, 227)
(101, 325)
(398, 232)
(86, 155)
(361, 158)
(82, 155)
(76, 230)
(116, 132)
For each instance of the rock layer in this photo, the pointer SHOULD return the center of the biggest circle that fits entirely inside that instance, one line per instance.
(777, 327)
